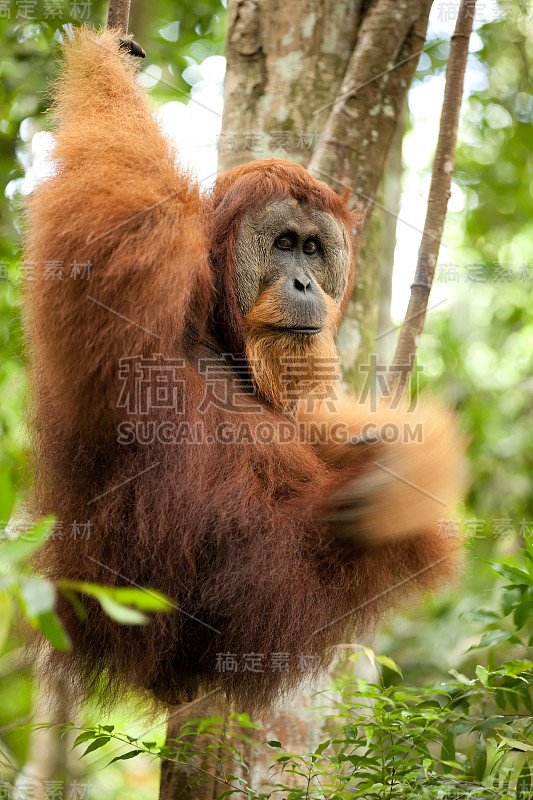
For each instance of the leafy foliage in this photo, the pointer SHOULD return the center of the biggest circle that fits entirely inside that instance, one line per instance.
(36, 597)
(462, 737)
(453, 736)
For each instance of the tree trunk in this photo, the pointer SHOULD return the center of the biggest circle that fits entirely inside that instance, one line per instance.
(295, 725)
(285, 64)
(185, 780)
(354, 144)
(50, 756)
(323, 84)
(294, 70)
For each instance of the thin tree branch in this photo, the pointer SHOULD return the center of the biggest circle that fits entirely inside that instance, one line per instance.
(118, 15)
(364, 115)
(439, 194)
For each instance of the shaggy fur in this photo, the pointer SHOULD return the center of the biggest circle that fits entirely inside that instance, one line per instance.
(282, 365)
(241, 535)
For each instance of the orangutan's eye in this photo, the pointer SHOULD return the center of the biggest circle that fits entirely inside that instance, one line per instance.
(284, 242)
(310, 247)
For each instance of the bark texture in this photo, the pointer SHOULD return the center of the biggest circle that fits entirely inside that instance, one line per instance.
(295, 725)
(51, 757)
(118, 15)
(188, 780)
(341, 70)
(353, 147)
(285, 64)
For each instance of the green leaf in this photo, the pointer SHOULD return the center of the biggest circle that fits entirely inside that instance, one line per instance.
(6, 611)
(76, 603)
(98, 742)
(38, 596)
(483, 675)
(528, 553)
(482, 615)
(84, 737)
(244, 720)
(459, 676)
(143, 599)
(462, 726)
(515, 666)
(447, 753)
(125, 756)
(390, 664)
(49, 625)
(491, 638)
(121, 614)
(7, 495)
(512, 574)
(491, 722)
(522, 613)
(369, 735)
(274, 743)
(479, 759)
(523, 783)
(124, 604)
(140, 598)
(16, 550)
(321, 747)
(510, 599)
(501, 699)
(516, 744)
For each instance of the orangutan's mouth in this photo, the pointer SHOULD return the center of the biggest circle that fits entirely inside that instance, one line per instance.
(301, 331)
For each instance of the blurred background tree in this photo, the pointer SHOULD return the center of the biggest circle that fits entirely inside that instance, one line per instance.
(476, 349)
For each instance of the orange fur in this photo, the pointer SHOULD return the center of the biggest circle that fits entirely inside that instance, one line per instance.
(241, 533)
(117, 198)
(413, 466)
(282, 365)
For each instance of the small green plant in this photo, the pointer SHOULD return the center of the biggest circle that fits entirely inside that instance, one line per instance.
(447, 740)
(36, 597)
(464, 737)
